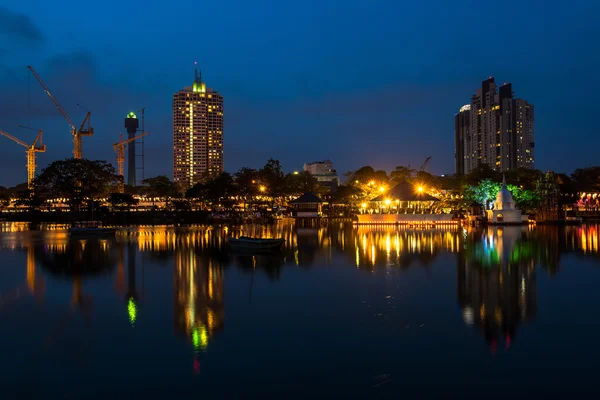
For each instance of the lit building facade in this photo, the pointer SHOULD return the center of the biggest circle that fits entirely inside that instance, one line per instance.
(197, 133)
(495, 129)
(324, 172)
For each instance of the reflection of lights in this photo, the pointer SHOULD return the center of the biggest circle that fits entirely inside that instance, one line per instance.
(468, 316)
(132, 310)
(200, 337)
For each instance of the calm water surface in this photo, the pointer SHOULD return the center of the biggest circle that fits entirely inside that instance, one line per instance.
(344, 311)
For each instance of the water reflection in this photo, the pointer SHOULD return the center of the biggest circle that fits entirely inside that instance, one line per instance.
(199, 309)
(496, 282)
(496, 288)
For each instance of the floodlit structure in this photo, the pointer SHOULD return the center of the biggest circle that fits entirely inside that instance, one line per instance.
(131, 125)
(504, 211)
(324, 172)
(76, 133)
(197, 133)
(31, 150)
(119, 147)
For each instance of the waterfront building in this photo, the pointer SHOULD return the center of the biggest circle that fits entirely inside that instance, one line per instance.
(324, 172)
(495, 129)
(309, 205)
(197, 133)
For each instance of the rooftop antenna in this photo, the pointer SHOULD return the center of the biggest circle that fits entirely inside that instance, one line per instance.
(197, 77)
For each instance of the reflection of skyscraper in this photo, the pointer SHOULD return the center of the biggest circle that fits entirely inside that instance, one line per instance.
(198, 298)
(496, 283)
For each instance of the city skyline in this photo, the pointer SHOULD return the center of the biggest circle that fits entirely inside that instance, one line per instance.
(295, 88)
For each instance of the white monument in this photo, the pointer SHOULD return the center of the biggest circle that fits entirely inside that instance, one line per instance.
(504, 210)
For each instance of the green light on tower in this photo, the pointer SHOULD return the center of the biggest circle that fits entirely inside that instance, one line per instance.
(131, 115)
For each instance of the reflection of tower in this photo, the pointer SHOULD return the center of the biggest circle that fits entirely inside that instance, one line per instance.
(496, 283)
(198, 298)
(132, 295)
(120, 282)
(131, 124)
(35, 286)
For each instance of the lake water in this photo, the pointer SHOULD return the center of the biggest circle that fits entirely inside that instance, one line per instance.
(342, 312)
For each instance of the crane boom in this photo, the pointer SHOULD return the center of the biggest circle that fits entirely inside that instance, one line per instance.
(124, 142)
(119, 147)
(425, 163)
(56, 103)
(11, 137)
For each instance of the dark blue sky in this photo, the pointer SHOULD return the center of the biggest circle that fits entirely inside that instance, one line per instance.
(358, 82)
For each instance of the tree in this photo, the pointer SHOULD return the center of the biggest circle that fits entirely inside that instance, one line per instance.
(246, 181)
(348, 194)
(161, 187)
(298, 184)
(4, 199)
(364, 174)
(586, 179)
(272, 177)
(28, 199)
(482, 193)
(548, 190)
(526, 200)
(482, 172)
(78, 180)
(220, 189)
(401, 173)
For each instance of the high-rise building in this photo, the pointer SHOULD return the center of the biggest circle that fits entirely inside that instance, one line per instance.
(495, 129)
(462, 124)
(197, 133)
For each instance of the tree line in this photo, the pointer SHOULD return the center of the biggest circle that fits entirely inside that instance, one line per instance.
(81, 181)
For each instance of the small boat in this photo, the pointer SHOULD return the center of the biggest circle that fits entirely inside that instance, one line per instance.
(91, 228)
(248, 243)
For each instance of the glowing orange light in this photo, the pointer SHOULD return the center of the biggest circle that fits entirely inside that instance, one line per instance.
(420, 189)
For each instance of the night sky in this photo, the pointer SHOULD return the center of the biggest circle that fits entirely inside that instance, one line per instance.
(357, 82)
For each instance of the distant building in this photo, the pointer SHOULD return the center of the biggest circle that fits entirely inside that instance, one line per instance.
(324, 172)
(495, 129)
(197, 133)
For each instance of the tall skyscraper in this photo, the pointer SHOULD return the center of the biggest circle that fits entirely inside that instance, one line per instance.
(197, 133)
(495, 129)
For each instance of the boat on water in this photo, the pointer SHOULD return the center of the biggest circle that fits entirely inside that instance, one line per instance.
(248, 243)
(91, 228)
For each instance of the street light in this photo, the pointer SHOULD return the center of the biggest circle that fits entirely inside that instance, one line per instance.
(420, 189)
(381, 189)
(387, 202)
(262, 188)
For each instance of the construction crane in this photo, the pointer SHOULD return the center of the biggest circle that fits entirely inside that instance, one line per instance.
(119, 147)
(76, 133)
(425, 164)
(31, 150)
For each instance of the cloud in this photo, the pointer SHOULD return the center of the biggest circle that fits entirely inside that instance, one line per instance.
(19, 26)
